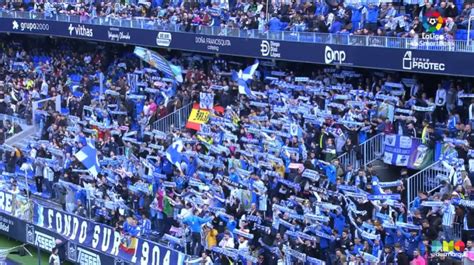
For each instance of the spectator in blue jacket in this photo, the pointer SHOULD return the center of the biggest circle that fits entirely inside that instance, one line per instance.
(274, 24)
(393, 237)
(339, 221)
(195, 224)
(356, 18)
(413, 241)
(377, 247)
(372, 17)
(229, 220)
(358, 246)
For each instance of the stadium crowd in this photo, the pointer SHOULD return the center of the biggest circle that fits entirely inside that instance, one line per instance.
(261, 181)
(375, 18)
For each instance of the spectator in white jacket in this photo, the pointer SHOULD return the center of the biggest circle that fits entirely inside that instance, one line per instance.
(227, 241)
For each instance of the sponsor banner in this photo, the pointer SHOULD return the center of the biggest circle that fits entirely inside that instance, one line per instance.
(420, 156)
(212, 43)
(102, 239)
(45, 239)
(197, 117)
(85, 256)
(163, 39)
(30, 26)
(80, 30)
(397, 149)
(15, 205)
(118, 35)
(270, 49)
(11, 226)
(408, 60)
(332, 56)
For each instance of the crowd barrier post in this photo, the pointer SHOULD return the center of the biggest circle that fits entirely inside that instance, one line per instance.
(426, 180)
(174, 120)
(371, 150)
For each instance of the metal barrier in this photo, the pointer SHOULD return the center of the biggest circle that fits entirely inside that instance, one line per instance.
(349, 158)
(427, 180)
(371, 150)
(174, 120)
(294, 36)
(457, 230)
(13, 119)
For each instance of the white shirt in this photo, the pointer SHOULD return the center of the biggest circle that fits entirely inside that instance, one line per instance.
(48, 173)
(54, 259)
(440, 97)
(243, 245)
(227, 243)
(44, 88)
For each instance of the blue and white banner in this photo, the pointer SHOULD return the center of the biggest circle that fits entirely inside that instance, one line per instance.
(206, 100)
(397, 150)
(104, 239)
(382, 197)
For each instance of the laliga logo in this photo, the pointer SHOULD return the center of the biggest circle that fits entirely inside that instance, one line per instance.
(331, 56)
(433, 21)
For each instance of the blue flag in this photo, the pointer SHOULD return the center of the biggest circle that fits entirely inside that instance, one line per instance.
(88, 157)
(243, 76)
(173, 153)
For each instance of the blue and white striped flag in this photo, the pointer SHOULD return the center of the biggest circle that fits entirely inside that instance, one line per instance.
(243, 76)
(88, 157)
(132, 80)
(173, 153)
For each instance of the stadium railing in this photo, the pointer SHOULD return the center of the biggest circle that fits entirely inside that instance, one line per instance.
(13, 119)
(371, 150)
(426, 180)
(174, 120)
(436, 44)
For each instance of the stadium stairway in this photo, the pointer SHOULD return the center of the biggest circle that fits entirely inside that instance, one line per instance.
(426, 180)
(23, 138)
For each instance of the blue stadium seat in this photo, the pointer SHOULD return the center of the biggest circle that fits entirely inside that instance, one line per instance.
(460, 34)
(75, 77)
(77, 94)
(95, 90)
